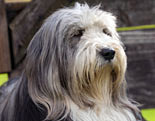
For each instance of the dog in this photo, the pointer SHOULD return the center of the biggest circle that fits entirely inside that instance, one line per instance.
(75, 71)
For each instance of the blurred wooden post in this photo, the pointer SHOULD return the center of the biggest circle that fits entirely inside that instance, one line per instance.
(5, 62)
(28, 21)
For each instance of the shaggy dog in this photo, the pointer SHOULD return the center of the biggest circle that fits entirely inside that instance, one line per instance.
(75, 68)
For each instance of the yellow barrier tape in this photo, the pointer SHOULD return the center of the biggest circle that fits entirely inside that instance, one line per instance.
(17, 1)
(3, 78)
(148, 114)
(136, 28)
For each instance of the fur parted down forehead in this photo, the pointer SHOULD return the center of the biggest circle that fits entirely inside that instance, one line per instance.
(84, 17)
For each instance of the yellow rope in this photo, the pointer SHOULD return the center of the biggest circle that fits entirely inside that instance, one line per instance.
(136, 28)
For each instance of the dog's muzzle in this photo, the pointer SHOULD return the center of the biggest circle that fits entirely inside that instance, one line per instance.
(107, 53)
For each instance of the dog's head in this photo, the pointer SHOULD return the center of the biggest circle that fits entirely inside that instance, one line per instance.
(76, 55)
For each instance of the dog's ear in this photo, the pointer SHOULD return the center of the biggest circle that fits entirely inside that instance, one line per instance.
(35, 59)
(42, 73)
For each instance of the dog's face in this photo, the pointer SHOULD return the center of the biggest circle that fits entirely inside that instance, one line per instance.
(90, 50)
(77, 54)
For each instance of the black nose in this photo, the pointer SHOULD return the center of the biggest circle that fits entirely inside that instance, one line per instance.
(108, 54)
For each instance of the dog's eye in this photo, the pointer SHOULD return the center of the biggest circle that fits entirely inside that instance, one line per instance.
(75, 37)
(105, 31)
(78, 33)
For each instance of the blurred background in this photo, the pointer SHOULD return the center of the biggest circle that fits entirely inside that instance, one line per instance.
(20, 19)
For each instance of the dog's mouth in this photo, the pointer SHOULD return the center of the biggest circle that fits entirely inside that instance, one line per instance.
(101, 63)
(107, 66)
(113, 75)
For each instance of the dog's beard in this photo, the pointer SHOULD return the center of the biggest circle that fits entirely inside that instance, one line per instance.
(94, 80)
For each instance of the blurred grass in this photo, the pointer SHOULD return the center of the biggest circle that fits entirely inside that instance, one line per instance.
(3, 78)
(148, 114)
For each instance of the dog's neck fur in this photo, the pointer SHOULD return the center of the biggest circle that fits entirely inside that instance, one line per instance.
(18, 106)
(100, 113)
(26, 110)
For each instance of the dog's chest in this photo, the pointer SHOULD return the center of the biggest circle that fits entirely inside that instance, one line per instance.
(103, 114)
